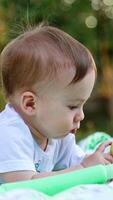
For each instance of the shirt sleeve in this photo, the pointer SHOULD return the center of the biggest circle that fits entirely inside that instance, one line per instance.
(16, 148)
(69, 153)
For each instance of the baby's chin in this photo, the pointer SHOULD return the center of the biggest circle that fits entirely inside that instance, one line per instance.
(73, 131)
(60, 136)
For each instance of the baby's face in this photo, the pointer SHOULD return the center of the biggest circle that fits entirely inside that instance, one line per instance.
(61, 110)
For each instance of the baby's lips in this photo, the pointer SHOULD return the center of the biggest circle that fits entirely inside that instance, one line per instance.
(72, 131)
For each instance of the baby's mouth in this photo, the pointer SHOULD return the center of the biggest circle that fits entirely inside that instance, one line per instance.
(74, 131)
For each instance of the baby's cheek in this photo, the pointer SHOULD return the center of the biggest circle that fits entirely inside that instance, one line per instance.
(66, 124)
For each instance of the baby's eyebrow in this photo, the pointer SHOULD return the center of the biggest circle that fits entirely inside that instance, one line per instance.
(76, 100)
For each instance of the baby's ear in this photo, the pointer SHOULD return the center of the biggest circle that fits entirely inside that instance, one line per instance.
(28, 103)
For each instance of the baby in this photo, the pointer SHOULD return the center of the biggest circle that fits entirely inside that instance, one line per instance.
(47, 78)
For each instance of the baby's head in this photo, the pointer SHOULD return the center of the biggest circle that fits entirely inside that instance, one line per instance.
(45, 65)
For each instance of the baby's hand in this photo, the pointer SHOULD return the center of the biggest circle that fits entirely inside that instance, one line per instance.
(98, 157)
(111, 149)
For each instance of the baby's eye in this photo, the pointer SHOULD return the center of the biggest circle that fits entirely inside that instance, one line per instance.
(72, 107)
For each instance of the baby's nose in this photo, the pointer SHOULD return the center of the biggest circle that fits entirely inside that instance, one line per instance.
(79, 116)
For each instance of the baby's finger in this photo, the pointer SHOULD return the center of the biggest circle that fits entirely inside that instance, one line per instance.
(106, 162)
(108, 157)
(103, 145)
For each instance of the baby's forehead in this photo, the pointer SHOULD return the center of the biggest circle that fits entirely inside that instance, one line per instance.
(57, 80)
(73, 94)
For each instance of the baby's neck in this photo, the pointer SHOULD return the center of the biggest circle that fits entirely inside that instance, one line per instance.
(41, 140)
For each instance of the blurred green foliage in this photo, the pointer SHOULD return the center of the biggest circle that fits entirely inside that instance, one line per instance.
(72, 16)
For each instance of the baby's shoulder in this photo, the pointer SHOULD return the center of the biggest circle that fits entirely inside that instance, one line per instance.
(12, 125)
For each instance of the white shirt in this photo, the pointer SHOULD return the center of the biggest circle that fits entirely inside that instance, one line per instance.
(19, 151)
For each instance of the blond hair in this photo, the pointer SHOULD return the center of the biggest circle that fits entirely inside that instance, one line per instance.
(40, 54)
